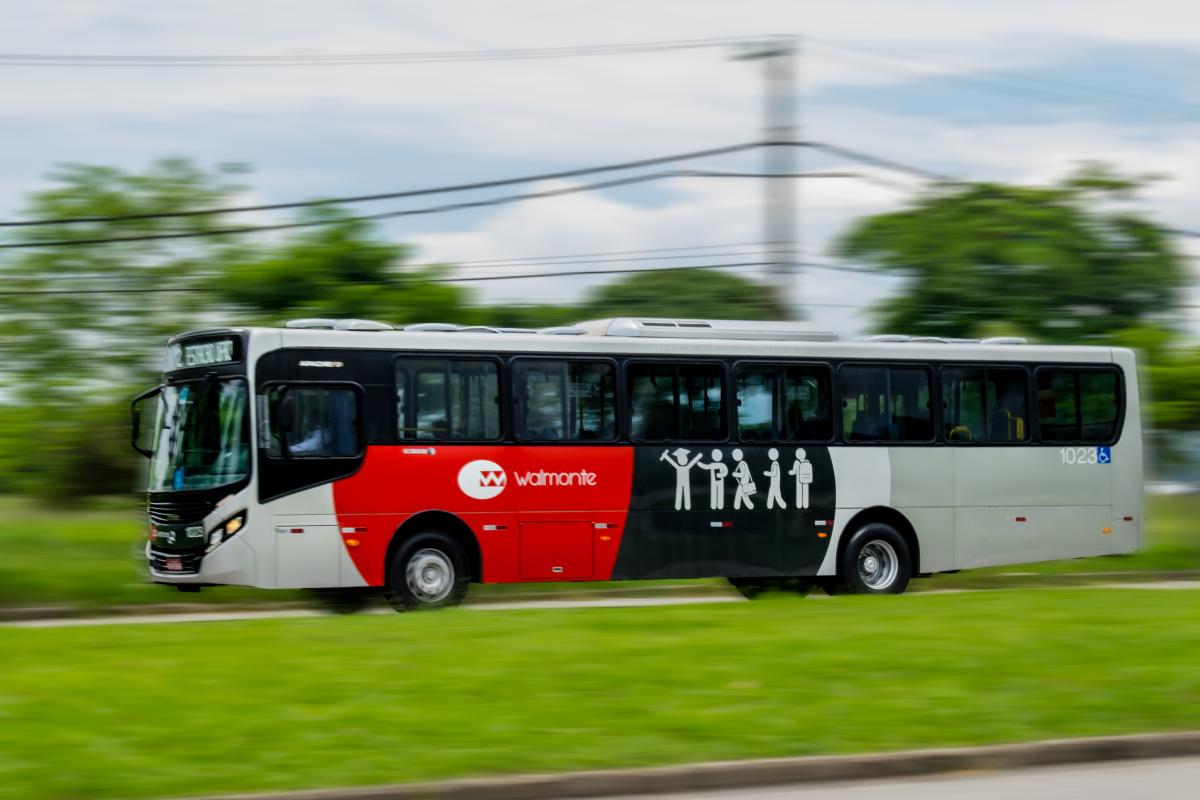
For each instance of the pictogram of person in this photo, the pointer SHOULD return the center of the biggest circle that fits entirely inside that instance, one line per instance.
(803, 470)
(745, 482)
(683, 475)
(774, 492)
(717, 473)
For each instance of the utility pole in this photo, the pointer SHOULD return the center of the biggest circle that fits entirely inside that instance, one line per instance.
(779, 56)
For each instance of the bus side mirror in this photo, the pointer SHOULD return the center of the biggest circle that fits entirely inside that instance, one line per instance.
(135, 412)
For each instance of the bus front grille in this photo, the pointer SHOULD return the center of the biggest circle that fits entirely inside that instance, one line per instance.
(170, 512)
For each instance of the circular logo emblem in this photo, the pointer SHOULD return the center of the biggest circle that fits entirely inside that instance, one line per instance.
(482, 479)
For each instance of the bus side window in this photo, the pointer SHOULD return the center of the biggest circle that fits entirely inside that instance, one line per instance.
(891, 404)
(313, 422)
(448, 399)
(684, 402)
(564, 400)
(783, 403)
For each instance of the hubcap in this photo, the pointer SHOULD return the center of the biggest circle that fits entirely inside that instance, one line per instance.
(429, 575)
(878, 565)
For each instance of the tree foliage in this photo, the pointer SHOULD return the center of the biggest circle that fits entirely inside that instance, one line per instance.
(1065, 262)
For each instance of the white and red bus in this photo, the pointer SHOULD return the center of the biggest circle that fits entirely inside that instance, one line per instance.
(350, 457)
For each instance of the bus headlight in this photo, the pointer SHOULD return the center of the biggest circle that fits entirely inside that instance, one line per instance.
(226, 530)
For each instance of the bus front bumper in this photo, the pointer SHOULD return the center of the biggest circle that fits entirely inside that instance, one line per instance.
(232, 562)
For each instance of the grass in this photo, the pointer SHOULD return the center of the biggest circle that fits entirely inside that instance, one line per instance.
(92, 558)
(162, 710)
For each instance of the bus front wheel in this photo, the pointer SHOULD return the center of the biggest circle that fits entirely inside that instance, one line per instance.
(877, 561)
(429, 571)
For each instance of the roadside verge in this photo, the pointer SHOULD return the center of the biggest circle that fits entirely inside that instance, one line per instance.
(767, 772)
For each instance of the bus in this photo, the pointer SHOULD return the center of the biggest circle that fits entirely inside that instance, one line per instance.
(352, 458)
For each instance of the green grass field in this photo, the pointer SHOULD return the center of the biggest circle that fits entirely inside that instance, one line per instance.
(92, 558)
(192, 708)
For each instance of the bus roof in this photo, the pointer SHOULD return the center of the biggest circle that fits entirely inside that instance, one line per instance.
(661, 337)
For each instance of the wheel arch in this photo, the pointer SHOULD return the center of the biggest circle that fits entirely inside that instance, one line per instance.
(443, 522)
(888, 516)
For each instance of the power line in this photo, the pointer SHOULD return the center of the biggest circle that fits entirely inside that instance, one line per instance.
(358, 59)
(466, 187)
(496, 201)
(526, 259)
(448, 189)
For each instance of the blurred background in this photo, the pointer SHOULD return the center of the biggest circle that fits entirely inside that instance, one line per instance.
(920, 168)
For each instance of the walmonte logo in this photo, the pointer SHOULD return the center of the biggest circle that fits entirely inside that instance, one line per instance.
(482, 479)
(543, 478)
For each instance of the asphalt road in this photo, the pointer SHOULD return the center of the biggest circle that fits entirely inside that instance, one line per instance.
(1168, 779)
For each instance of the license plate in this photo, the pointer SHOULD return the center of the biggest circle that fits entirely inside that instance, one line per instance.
(173, 564)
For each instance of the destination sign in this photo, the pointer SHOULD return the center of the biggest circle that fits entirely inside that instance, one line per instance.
(205, 353)
(202, 354)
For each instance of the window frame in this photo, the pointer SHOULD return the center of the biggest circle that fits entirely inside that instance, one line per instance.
(503, 409)
(831, 373)
(625, 386)
(360, 410)
(1118, 421)
(619, 428)
(935, 397)
(984, 366)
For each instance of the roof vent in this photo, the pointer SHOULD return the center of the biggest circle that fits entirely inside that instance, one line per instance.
(361, 325)
(888, 337)
(312, 322)
(707, 329)
(1006, 340)
(563, 330)
(432, 327)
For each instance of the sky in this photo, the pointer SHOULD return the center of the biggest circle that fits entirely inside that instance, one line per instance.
(1014, 91)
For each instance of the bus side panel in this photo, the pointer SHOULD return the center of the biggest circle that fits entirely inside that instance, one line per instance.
(923, 491)
(532, 508)
(722, 511)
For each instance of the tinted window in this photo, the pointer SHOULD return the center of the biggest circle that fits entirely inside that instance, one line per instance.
(1078, 405)
(1099, 396)
(683, 401)
(564, 400)
(783, 403)
(885, 404)
(448, 398)
(312, 422)
(984, 405)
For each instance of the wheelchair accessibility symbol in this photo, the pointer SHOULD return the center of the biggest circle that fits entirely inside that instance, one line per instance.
(1103, 455)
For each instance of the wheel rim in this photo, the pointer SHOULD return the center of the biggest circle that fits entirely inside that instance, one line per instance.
(878, 565)
(429, 575)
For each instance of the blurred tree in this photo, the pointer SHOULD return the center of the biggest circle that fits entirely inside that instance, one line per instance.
(101, 329)
(683, 293)
(1064, 262)
(340, 269)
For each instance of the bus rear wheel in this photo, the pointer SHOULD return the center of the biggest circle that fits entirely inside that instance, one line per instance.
(428, 571)
(877, 561)
(754, 588)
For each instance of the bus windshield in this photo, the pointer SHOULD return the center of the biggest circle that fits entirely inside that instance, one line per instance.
(202, 435)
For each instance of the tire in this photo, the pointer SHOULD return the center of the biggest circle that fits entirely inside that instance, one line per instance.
(877, 560)
(428, 571)
(341, 601)
(754, 588)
